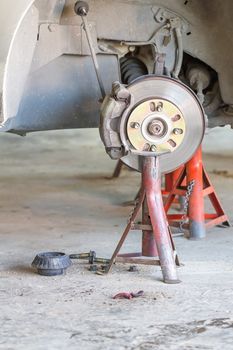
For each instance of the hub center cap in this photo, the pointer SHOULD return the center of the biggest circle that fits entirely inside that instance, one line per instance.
(157, 128)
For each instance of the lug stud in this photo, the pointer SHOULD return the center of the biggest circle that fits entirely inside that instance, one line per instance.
(177, 131)
(153, 148)
(135, 125)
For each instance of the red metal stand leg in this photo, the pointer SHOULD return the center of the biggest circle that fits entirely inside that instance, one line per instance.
(196, 202)
(168, 182)
(152, 183)
(176, 174)
(126, 231)
(149, 247)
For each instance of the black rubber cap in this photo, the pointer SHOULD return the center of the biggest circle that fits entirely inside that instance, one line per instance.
(51, 263)
(81, 8)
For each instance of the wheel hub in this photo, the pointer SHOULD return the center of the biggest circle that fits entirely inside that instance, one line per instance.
(154, 114)
(157, 123)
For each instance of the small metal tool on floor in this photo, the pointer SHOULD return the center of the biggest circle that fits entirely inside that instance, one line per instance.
(91, 257)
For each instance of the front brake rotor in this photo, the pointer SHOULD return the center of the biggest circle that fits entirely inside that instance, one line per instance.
(163, 116)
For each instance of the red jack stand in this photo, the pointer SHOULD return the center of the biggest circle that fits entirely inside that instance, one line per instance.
(157, 239)
(169, 181)
(198, 220)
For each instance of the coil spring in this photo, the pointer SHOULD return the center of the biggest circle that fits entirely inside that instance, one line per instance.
(131, 69)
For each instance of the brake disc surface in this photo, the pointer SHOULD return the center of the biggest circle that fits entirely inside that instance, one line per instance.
(163, 116)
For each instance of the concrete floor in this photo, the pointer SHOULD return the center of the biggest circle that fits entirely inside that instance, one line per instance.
(51, 198)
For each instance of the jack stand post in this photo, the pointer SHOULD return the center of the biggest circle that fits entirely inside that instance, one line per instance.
(157, 237)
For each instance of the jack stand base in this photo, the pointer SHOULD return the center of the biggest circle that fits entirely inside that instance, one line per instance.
(154, 222)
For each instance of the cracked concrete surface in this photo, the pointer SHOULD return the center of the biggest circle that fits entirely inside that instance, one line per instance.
(55, 195)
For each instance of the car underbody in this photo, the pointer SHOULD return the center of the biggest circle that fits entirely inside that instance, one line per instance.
(47, 74)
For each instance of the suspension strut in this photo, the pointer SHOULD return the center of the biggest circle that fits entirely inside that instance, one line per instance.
(131, 69)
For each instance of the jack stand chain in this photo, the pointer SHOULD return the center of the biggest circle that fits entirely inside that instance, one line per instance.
(188, 193)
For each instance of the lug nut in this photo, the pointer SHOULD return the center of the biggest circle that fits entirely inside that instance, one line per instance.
(135, 125)
(177, 131)
(153, 148)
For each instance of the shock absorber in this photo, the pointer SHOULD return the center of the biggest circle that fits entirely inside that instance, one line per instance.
(131, 69)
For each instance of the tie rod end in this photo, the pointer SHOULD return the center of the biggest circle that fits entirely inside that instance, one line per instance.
(81, 8)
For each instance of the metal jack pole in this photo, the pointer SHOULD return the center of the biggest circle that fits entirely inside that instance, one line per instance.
(196, 212)
(151, 179)
(149, 247)
(81, 8)
(157, 240)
